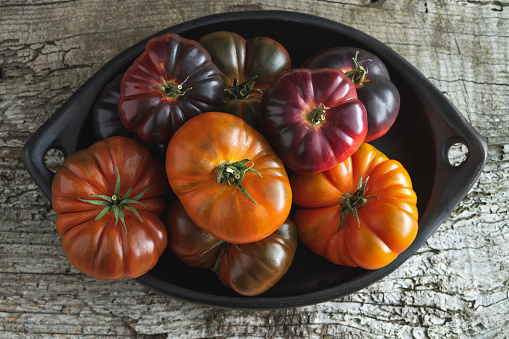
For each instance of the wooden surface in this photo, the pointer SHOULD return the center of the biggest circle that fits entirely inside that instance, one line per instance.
(456, 285)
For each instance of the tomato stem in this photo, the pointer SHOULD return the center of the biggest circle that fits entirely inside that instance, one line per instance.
(243, 90)
(351, 202)
(233, 173)
(171, 89)
(359, 73)
(116, 203)
(317, 115)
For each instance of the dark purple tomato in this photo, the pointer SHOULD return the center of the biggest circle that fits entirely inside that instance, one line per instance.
(313, 119)
(371, 78)
(105, 119)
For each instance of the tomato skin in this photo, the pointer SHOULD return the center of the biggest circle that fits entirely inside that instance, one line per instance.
(100, 248)
(378, 94)
(240, 59)
(189, 242)
(246, 109)
(105, 119)
(144, 107)
(249, 269)
(286, 109)
(195, 152)
(388, 222)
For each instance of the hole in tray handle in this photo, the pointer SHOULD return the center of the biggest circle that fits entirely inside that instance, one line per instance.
(457, 153)
(53, 159)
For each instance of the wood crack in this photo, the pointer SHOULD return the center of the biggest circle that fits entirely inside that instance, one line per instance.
(37, 4)
(498, 84)
(498, 5)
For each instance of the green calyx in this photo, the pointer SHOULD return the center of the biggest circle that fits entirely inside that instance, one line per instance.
(243, 90)
(233, 173)
(317, 115)
(116, 203)
(171, 89)
(359, 73)
(351, 202)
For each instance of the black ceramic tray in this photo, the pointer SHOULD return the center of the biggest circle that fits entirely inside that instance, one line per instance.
(427, 126)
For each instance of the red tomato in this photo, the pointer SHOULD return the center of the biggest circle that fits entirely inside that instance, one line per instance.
(230, 181)
(248, 269)
(313, 118)
(171, 82)
(109, 209)
(362, 212)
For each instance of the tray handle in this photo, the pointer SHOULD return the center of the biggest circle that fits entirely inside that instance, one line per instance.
(467, 170)
(61, 132)
(455, 179)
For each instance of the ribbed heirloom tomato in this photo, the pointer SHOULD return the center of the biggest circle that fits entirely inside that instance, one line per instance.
(247, 67)
(109, 209)
(172, 81)
(360, 213)
(248, 269)
(228, 178)
(313, 119)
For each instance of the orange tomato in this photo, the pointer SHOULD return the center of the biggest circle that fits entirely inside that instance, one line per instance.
(362, 212)
(229, 180)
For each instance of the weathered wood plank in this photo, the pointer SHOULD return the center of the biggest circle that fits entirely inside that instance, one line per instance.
(455, 286)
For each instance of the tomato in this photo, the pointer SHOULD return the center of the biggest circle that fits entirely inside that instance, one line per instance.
(189, 242)
(362, 212)
(247, 68)
(371, 77)
(105, 119)
(253, 268)
(230, 181)
(109, 209)
(172, 81)
(248, 269)
(313, 118)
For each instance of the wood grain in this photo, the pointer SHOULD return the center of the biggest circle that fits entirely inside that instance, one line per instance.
(457, 284)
